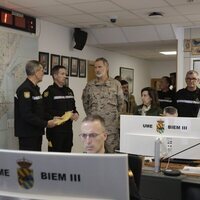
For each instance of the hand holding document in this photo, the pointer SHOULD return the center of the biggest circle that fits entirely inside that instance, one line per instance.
(64, 118)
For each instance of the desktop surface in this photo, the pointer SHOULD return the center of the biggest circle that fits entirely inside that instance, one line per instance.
(159, 186)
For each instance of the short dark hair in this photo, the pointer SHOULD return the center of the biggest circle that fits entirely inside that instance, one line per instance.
(118, 78)
(56, 68)
(32, 66)
(168, 79)
(95, 117)
(153, 94)
(123, 82)
(170, 110)
(105, 62)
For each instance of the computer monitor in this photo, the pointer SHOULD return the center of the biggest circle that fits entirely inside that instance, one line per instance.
(45, 175)
(139, 133)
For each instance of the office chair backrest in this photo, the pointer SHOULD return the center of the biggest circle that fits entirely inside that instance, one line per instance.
(135, 165)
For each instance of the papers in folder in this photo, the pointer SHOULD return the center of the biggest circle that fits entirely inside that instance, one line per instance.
(64, 118)
(190, 170)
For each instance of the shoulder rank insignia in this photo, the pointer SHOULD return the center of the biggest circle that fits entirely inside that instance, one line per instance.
(46, 94)
(27, 95)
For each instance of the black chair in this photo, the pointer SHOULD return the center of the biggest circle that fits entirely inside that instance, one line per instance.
(135, 165)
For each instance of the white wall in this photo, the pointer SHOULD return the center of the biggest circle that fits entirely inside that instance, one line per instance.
(161, 68)
(190, 33)
(56, 39)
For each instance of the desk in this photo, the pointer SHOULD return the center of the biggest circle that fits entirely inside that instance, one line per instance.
(156, 186)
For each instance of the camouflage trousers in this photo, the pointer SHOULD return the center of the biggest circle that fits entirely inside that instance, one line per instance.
(112, 142)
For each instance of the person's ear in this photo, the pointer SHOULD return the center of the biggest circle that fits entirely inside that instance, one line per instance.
(105, 136)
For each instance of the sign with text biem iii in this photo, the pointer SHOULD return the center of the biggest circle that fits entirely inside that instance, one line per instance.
(64, 175)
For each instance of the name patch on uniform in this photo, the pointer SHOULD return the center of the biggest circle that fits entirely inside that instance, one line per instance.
(46, 94)
(27, 95)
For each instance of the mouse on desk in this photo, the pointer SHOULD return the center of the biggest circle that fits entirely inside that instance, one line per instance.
(171, 172)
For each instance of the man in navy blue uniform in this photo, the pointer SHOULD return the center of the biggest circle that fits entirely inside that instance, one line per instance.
(58, 99)
(29, 112)
(188, 99)
(166, 96)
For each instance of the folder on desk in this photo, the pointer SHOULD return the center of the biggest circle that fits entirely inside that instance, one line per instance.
(190, 170)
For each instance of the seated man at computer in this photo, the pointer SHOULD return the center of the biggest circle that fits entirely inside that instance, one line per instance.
(93, 136)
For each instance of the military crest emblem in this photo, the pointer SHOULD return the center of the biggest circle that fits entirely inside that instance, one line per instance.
(27, 95)
(160, 126)
(46, 94)
(25, 174)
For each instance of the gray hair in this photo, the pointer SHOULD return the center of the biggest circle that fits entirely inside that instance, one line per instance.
(192, 72)
(105, 62)
(32, 66)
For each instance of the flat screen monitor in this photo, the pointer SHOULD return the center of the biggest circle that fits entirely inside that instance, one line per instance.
(139, 133)
(45, 175)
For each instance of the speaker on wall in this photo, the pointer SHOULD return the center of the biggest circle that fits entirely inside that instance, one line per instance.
(80, 38)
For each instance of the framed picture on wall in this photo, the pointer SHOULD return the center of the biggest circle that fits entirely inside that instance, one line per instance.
(127, 74)
(55, 60)
(74, 66)
(82, 68)
(187, 45)
(196, 50)
(155, 83)
(196, 65)
(65, 61)
(44, 60)
(196, 42)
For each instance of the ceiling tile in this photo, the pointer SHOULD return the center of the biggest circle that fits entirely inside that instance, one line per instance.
(140, 4)
(188, 9)
(56, 10)
(113, 35)
(197, 23)
(194, 18)
(180, 2)
(93, 7)
(167, 11)
(132, 22)
(168, 20)
(75, 1)
(30, 12)
(58, 21)
(9, 5)
(140, 33)
(165, 32)
(124, 14)
(80, 18)
(33, 3)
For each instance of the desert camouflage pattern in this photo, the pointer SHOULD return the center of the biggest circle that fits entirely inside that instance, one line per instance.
(105, 99)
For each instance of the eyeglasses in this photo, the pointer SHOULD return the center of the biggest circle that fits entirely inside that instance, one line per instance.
(91, 135)
(191, 79)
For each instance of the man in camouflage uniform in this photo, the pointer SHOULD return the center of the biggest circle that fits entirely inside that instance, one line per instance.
(104, 96)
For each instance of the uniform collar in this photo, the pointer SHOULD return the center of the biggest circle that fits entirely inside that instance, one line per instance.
(55, 85)
(31, 83)
(106, 83)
